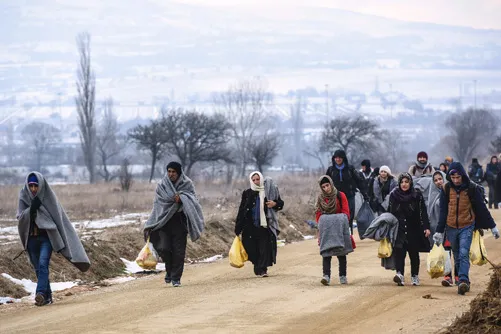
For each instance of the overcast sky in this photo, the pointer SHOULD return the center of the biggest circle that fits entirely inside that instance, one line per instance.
(471, 13)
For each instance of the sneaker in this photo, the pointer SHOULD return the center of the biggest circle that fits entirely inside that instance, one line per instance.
(343, 280)
(415, 280)
(264, 275)
(399, 279)
(456, 280)
(447, 281)
(39, 299)
(463, 288)
(176, 284)
(326, 280)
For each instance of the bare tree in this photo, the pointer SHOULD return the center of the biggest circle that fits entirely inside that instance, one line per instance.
(393, 149)
(41, 137)
(356, 135)
(125, 175)
(468, 131)
(85, 100)
(195, 137)
(109, 143)
(297, 119)
(246, 105)
(152, 139)
(264, 149)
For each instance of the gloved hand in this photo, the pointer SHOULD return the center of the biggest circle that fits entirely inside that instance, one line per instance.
(438, 238)
(35, 204)
(495, 232)
(146, 233)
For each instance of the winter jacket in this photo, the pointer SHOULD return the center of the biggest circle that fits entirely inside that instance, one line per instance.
(491, 172)
(348, 180)
(412, 222)
(497, 188)
(469, 202)
(341, 206)
(417, 171)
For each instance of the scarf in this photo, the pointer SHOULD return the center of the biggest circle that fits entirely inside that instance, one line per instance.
(340, 169)
(259, 188)
(52, 218)
(401, 195)
(327, 202)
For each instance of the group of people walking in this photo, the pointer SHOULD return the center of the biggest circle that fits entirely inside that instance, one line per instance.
(424, 205)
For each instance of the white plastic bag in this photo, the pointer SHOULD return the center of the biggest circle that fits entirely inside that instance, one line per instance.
(448, 264)
(147, 257)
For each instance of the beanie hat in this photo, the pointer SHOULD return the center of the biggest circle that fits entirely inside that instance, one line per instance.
(385, 169)
(422, 154)
(474, 161)
(449, 158)
(176, 166)
(32, 179)
(366, 163)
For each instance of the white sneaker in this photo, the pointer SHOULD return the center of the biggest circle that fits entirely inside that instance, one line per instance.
(415, 280)
(343, 280)
(399, 279)
(326, 280)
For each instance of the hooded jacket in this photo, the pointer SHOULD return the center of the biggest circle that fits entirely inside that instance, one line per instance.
(453, 212)
(491, 171)
(347, 179)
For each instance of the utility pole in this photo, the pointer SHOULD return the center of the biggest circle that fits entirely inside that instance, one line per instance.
(327, 101)
(475, 93)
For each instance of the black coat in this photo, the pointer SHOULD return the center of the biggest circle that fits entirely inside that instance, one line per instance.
(352, 180)
(245, 225)
(412, 222)
(497, 188)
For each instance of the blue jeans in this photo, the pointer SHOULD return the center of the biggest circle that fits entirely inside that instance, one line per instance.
(40, 251)
(460, 240)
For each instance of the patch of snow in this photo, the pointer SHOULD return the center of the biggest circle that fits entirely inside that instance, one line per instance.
(5, 300)
(9, 230)
(31, 286)
(308, 237)
(131, 267)
(211, 259)
(280, 243)
(119, 279)
(119, 220)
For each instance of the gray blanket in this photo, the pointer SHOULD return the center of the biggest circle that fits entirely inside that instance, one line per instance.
(335, 237)
(378, 192)
(384, 226)
(52, 218)
(164, 206)
(272, 194)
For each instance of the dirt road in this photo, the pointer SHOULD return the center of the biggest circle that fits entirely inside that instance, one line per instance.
(216, 298)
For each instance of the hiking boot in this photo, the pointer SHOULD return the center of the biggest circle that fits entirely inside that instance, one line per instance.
(399, 279)
(343, 280)
(447, 281)
(415, 280)
(463, 288)
(326, 280)
(176, 284)
(167, 279)
(39, 299)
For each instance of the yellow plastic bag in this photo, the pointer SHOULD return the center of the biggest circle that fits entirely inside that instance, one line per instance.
(435, 263)
(148, 257)
(477, 250)
(385, 249)
(237, 254)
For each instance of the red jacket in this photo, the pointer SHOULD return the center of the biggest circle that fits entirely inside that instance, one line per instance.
(342, 207)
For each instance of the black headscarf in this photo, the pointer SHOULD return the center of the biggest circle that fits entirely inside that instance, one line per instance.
(405, 196)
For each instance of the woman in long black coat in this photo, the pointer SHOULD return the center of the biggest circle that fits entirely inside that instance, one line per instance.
(408, 205)
(258, 224)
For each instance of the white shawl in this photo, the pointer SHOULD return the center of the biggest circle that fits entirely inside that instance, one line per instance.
(262, 195)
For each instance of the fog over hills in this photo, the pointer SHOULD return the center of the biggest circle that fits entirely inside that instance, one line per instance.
(146, 49)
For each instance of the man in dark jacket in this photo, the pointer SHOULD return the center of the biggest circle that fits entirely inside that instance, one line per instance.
(458, 199)
(347, 180)
(475, 171)
(492, 172)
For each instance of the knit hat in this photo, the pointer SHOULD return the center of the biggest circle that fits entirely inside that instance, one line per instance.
(176, 166)
(449, 159)
(366, 163)
(422, 154)
(32, 179)
(385, 169)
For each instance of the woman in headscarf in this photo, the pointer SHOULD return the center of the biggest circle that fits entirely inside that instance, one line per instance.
(258, 223)
(331, 201)
(408, 206)
(383, 186)
(44, 227)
